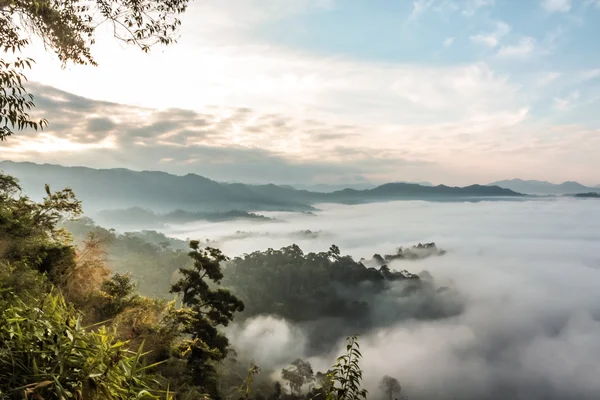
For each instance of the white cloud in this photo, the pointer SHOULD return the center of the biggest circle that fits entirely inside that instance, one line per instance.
(448, 42)
(420, 7)
(566, 103)
(547, 78)
(524, 47)
(492, 39)
(557, 5)
(222, 63)
(590, 74)
(473, 6)
(538, 342)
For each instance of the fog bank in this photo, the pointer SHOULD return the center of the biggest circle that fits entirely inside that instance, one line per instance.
(528, 275)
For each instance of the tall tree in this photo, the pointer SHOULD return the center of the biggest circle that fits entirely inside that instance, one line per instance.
(390, 386)
(67, 28)
(298, 375)
(207, 309)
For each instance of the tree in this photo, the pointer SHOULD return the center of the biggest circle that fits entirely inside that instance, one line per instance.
(30, 232)
(390, 386)
(67, 28)
(346, 376)
(207, 309)
(298, 375)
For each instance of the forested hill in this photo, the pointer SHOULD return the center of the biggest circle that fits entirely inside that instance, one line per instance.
(160, 191)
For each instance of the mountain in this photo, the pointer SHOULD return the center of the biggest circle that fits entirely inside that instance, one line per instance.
(102, 189)
(412, 191)
(158, 191)
(136, 217)
(591, 195)
(329, 188)
(544, 188)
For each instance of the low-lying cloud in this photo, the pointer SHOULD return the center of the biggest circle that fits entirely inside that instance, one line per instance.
(527, 274)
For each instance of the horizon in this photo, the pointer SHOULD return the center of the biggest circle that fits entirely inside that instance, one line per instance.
(374, 184)
(323, 92)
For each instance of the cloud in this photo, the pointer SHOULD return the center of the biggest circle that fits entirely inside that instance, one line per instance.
(448, 42)
(492, 39)
(590, 74)
(221, 143)
(420, 7)
(488, 140)
(566, 103)
(100, 124)
(471, 7)
(557, 5)
(407, 111)
(529, 279)
(524, 47)
(547, 78)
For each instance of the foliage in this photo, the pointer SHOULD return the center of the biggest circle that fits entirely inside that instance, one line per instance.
(390, 386)
(346, 375)
(15, 102)
(120, 294)
(88, 274)
(46, 353)
(150, 258)
(67, 28)
(246, 388)
(38, 262)
(207, 310)
(299, 286)
(298, 375)
(30, 231)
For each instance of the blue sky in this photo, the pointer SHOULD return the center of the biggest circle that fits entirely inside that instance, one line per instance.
(555, 37)
(449, 91)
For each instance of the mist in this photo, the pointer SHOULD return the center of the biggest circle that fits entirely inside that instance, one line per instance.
(526, 278)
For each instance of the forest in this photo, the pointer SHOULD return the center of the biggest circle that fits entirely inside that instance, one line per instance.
(91, 313)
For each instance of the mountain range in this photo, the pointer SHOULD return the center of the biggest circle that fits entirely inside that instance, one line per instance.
(544, 188)
(328, 188)
(120, 188)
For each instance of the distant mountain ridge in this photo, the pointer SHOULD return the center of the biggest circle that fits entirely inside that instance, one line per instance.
(120, 188)
(329, 188)
(544, 188)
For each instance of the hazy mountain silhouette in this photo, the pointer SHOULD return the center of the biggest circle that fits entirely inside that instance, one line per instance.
(329, 188)
(592, 195)
(102, 189)
(137, 217)
(543, 187)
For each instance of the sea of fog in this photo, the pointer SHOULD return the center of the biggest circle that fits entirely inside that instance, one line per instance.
(528, 273)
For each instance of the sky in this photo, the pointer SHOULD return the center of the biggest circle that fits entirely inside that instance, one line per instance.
(336, 91)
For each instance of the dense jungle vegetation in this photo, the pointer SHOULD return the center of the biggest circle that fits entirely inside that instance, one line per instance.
(75, 326)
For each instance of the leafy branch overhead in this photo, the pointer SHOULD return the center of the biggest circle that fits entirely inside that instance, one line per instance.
(67, 28)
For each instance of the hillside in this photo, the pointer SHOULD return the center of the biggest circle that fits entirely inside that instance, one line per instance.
(159, 191)
(102, 189)
(543, 188)
(591, 195)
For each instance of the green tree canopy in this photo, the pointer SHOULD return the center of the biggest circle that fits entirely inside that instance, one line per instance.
(208, 309)
(299, 374)
(67, 28)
